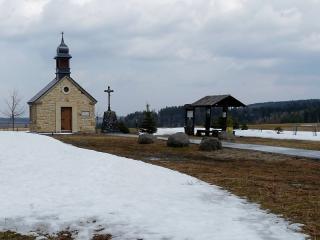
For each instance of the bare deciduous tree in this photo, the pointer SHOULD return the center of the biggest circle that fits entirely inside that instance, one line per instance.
(13, 109)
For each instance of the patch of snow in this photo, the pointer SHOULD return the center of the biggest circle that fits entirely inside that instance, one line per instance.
(168, 131)
(154, 159)
(301, 135)
(47, 186)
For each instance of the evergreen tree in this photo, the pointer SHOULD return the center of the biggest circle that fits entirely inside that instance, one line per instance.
(148, 124)
(122, 127)
(244, 126)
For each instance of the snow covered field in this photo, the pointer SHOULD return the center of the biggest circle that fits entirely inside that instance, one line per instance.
(49, 185)
(301, 135)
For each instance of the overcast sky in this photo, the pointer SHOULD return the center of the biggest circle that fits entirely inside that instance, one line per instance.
(164, 52)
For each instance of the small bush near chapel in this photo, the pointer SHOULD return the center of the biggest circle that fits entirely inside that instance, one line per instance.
(122, 127)
(148, 124)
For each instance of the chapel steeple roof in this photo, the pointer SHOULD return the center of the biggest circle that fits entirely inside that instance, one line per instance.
(62, 49)
(62, 60)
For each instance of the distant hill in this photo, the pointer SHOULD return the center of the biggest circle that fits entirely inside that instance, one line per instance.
(284, 104)
(297, 111)
(19, 122)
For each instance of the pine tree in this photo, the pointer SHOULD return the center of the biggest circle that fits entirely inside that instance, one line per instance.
(123, 127)
(148, 124)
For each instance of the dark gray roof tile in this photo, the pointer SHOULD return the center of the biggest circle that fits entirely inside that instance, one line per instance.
(51, 84)
(43, 91)
(218, 101)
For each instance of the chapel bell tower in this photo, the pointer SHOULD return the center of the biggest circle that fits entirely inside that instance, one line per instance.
(62, 60)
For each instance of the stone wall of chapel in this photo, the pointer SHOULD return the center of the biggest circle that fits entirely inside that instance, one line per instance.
(46, 111)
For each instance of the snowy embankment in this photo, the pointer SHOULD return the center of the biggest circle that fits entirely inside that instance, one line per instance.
(301, 135)
(49, 186)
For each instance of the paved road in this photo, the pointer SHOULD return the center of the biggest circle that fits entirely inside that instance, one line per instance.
(271, 149)
(262, 148)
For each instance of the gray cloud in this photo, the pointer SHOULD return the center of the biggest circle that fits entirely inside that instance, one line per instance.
(164, 52)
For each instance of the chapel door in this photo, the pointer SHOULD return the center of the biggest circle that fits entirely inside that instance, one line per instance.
(66, 119)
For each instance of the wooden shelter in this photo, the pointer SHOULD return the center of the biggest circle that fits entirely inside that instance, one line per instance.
(209, 102)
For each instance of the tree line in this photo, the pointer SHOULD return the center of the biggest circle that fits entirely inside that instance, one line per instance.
(299, 111)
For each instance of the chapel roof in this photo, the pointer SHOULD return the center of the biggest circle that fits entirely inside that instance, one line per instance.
(51, 84)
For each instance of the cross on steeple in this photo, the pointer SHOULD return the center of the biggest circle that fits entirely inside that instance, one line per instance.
(109, 91)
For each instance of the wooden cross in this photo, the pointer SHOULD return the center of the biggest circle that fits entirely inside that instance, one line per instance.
(109, 91)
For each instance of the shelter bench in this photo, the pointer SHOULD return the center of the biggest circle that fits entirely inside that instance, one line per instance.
(213, 133)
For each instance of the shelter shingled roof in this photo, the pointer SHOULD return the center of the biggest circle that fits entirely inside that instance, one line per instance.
(218, 101)
(51, 84)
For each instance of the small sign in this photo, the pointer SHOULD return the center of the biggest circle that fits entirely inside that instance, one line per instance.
(190, 114)
(85, 114)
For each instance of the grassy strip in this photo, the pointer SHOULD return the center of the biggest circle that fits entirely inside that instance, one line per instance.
(285, 126)
(286, 185)
(64, 235)
(8, 235)
(310, 145)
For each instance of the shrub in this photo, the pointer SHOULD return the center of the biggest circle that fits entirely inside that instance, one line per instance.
(220, 122)
(148, 124)
(236, 125)
(244, 127)
(278, 130)
(229, 122)
(122, 127)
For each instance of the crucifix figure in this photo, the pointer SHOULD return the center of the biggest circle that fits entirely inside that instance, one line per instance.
(109, 91)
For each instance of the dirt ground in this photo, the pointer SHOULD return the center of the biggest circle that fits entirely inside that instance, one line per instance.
(285, 185)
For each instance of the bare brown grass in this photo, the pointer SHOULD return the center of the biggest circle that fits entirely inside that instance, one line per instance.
(8, 235)
(63, 235)
(285, 185)
(285, 126)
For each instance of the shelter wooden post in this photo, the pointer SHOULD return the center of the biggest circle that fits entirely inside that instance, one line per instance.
(208, 120)
(189, 119)
(225, 118)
